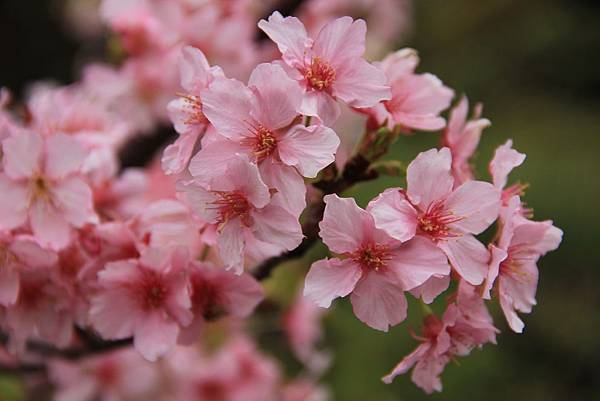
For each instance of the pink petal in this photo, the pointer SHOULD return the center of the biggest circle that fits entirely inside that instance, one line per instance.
(176, 156)
(199, 199)
(277, 97)
(309, 149)
(429, 178)
(427, 371)
(213, 159)
(344, 223)
(230, 242)
(113, 313)
(9, 283)
(13, 203)
(155, 336)
(22, 154)
(289, 34)
(417, 260)
(193, 70)
(241, 294)
(400, 63)
(329, 279)
(321, 105)
(497, 256)
(276, 226)
(243, 175)
(504, 161)
(291, 190)
(49, 225)
(430, 289)
(407, 362)
(64, 155)
(468, 257)
(477, 203)
(74, 198)
(341, 41)
(227, 105)
(361, 84)
(394, 214)
(379, 301)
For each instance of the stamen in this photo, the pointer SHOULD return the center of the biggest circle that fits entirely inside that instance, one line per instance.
(193, 107)
(320, 75)
(435, 220)
(372, 256)
(231, 205)
(262, 141)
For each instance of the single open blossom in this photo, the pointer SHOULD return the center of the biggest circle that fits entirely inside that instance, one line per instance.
(417, 99)
(447, 217)
(462, 137)
(330, 67)
(514, 261)
(376, 269)
(239, 205)
(41, 185)
(214, 292)
(146, 298)
(19, 254)
(115, 376)
(504, 161)
(186, 112)
(466, 324)
(261, 121)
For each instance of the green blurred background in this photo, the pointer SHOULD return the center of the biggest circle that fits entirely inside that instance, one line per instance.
(536, 66)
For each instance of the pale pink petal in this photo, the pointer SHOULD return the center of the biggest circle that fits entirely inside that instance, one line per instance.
(275, 225)
(193, 69)
(9, 282)
(407, 362)
(309, 149)
(230, 242)
(427, 371)
(227, 105)
(49, 225)
(477, 203)
(176, 156)
(415, 261)
(429, 178)
(291, 190)
(289, 34)
(329, 279)
(341, 41)
(155, 336)
(64, 156)
(277, 96)
(113, 313)
(343, 226)
(213, 159)
(504, 161)
(400, 63)
(13, 203)
(361, 84)
(513, 320)
(430, 289)
(199, 199)
(468, 257)
(243, 175)
(74, 199)
(394, 214)
(321, 105)
(497, 256)
(379, 301)
(22, 154)
(241, 294)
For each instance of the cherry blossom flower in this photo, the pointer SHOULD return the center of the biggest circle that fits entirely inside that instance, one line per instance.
(514, 263)
(239, 205)
(417, 99)
(41, 185)
(377, 269)
(330, 67)
(466, 324)
(504, 161)
(462, 137)
(431, 209)
(214, 292)
(146, 298)
(186, 111)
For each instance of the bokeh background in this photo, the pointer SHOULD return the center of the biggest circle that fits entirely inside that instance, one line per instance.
(536, 67)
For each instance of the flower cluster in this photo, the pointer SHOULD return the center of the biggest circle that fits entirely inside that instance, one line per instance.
(94, 255)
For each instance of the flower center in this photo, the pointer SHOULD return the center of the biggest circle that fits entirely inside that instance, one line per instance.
(263, 141)
(320, 75)
(512, 266)
(434, 222)
(231, 205)
(154, 291)
(193, 108)
(372, 256)
(40, 188)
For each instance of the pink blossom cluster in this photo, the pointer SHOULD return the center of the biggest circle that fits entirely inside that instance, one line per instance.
(95, 255)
